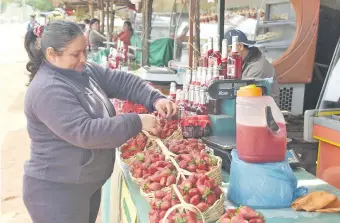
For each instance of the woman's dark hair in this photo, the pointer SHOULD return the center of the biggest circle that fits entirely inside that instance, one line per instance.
(57, 34)
(94, 21)
(128, 23)
(86, 21)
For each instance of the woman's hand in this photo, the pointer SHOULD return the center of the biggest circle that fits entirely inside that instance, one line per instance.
(150, 124)
(165, 107)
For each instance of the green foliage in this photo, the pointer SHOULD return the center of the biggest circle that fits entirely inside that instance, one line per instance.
(41, 5)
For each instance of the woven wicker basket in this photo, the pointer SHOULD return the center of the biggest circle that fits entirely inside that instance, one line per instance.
(177, 134)
(214, 212)
(150, 144)
(215, 173)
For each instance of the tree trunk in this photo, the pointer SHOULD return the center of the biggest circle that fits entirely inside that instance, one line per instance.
(91, 8)
(197, 34)
(108, 20)
(192, 4)
(101, 14)
(146, 13)
(112, 22)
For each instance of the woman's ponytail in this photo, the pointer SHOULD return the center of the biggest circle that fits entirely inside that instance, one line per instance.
(35, 55)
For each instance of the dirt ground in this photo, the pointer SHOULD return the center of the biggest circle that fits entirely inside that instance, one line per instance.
(14, 140)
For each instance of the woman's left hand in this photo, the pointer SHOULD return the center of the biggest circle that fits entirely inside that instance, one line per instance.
(165, 107)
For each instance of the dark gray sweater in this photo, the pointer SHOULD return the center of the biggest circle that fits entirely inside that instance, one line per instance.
(72, 124)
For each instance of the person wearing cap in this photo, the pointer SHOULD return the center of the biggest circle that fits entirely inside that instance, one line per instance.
(96, 39)
(254, 62)
(32, 23)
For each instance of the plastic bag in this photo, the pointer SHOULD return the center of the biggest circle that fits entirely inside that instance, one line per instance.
(262, 185)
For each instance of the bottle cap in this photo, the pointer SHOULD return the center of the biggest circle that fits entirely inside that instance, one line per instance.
(249, 91)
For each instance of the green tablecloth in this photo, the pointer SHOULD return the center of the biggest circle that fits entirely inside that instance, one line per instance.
(286, 215)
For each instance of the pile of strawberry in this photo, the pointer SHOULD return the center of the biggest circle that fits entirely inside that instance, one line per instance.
(242, 214)
(200, 191)
(185, 146)
(147, 163)
(164, 177)
(163, 202)
(133, 146)
(197, 162)
(168, 127)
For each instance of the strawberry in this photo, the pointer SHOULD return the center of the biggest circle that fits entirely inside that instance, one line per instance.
(204, 191)
(183, 164)
(201, 171)
(187, 185)
(186, 198)
(167, 197)
(225, 220)
(162, 214)
(156, 177)
(163, 181)
(238, 219)
(160, 194)
(192, 168)
(202, 206)
(193, 192)
(247, 212)
(170, 180)
(256, 220)
(185, 157)
(201, 166)
(211, 199)
(195, 200)
(154, 186)
(165, 205)
(153, 168)
(165, 173)
(193, 179)
(218, 191)
(138, 173)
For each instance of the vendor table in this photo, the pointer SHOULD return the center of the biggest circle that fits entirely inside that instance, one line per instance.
(287, 215)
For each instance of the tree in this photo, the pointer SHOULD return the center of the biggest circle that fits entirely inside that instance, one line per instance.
(41, 5)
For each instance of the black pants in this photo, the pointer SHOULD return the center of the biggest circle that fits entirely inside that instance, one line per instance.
(50, 202)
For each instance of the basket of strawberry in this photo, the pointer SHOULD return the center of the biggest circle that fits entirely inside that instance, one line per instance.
(135, 145)
(184, 146)
(167, 207)
(242, 214)
(169, 130)
(202, 192)
(201, 163)
(162, 179)
(145, 164)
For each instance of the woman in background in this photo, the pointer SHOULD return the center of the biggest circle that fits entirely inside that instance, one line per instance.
(125, 35)
(96, 39)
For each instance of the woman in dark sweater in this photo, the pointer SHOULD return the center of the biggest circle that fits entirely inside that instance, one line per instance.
(73, 127)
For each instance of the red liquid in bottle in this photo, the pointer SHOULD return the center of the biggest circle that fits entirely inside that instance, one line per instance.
(235, 62)
(257, 144)
(224, 60)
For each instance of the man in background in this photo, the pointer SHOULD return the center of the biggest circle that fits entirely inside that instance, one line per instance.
(32, 23)
(254, 63)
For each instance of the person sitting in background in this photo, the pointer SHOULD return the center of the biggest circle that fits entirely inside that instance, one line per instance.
(125, 35)
(96, 39)
(32, 23)
(254, 63)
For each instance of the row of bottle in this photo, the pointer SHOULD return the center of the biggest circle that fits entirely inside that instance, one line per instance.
(191, 100)
(229, 64)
